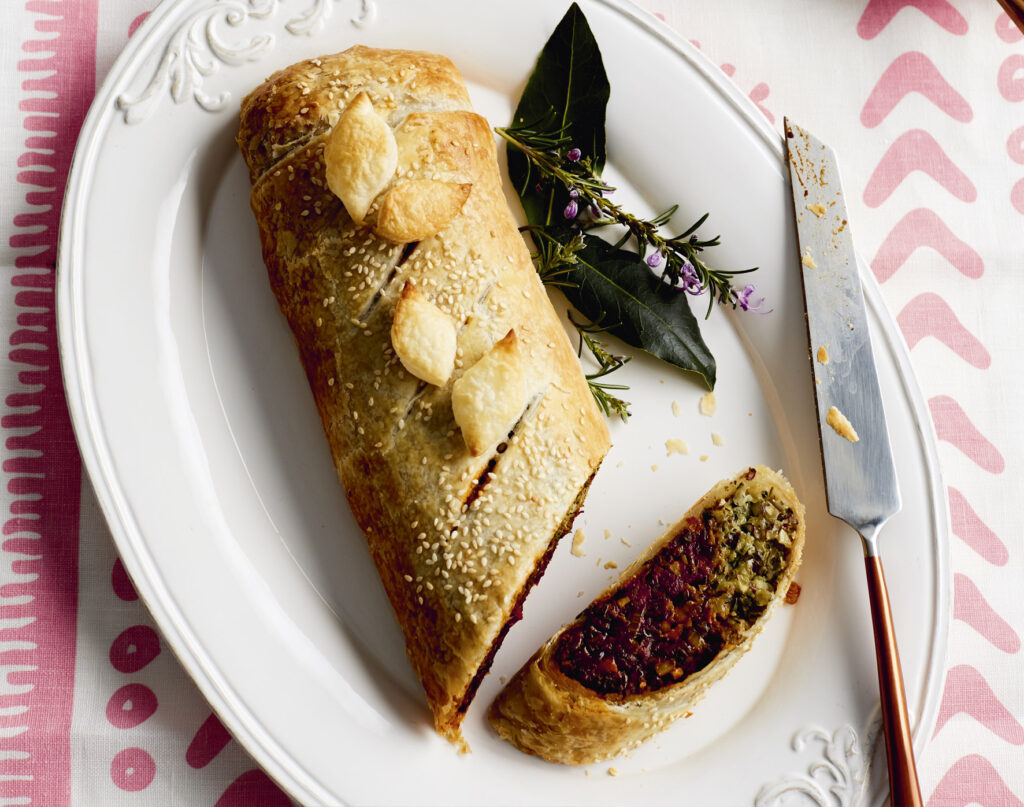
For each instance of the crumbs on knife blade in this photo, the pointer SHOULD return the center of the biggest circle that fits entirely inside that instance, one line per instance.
(841, 425)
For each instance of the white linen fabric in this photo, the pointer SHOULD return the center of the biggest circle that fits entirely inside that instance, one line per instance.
(923, 100)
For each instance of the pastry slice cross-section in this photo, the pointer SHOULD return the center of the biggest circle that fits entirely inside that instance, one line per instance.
(647, 649)
(458, 536)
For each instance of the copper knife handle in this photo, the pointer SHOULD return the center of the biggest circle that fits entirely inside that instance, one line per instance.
(900, 752)
(1015, 11)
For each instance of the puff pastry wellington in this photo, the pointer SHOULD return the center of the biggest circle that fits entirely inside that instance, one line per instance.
(677, 620)
(459, 420)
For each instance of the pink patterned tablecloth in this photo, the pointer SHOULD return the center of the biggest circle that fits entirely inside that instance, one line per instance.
(924, 100)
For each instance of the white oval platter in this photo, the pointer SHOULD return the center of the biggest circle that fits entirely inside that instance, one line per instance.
(204, 447)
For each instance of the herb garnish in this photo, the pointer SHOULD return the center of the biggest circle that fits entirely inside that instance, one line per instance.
(556, 151)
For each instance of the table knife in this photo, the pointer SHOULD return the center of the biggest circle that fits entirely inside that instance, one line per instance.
(860, 477)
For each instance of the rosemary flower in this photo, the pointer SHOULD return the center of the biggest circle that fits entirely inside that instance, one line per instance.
(691, 280)
(742, 299)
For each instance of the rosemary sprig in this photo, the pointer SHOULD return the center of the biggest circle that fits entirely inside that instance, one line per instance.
(550, 154)
(607, 362)
(554, 258)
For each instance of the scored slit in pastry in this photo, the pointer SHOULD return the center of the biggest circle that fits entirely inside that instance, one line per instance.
(459, 420)
(647, 649)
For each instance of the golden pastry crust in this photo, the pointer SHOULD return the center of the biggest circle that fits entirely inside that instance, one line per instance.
(542, 711)
(457, 539)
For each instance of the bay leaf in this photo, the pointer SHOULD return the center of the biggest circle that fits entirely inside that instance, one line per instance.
(568, 91)
(616, 290)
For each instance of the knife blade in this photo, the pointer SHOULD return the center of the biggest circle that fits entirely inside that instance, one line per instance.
(860, 476)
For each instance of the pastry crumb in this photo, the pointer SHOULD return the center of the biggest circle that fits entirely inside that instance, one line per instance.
(613, 771)
(817, 209)
(792, 593)
(717, 439)
(703, 457)
(677, 408)
(502, 679)
(579, 594)
(624, 541)
(577, 543)
(607, 534)
(808, 261)
(708, 404)
(676, 446)
(587, 771)
(620, 463)
(841, 425)
(654, 467)
(611, 565)
(823, 354)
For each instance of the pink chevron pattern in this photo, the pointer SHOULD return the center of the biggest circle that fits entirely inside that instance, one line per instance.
(973, 780)
(954, 427)
(916, 150)
(969, 528)
(44, 476)
(913, 72)
(923, 228)
(967, 692)
(879, 13)
(971, 607)
(929, 315)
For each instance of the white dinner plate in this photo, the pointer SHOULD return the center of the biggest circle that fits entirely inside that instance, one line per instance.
(202, 441)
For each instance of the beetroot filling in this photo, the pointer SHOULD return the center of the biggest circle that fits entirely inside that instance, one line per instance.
(668, 621)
